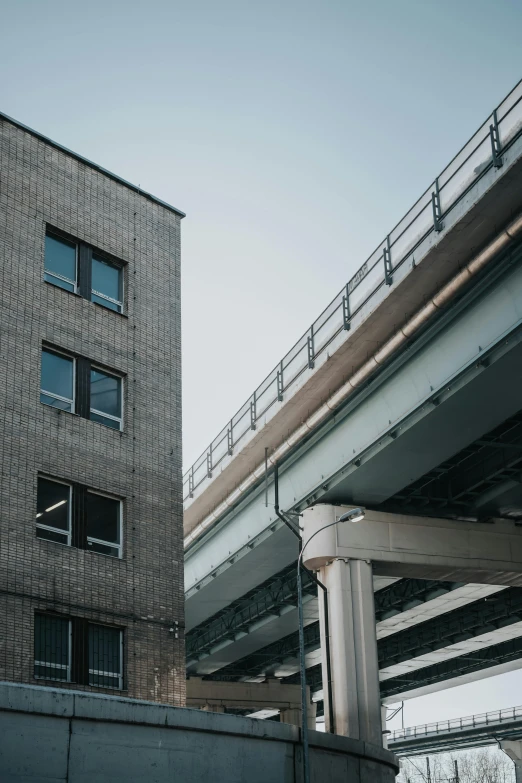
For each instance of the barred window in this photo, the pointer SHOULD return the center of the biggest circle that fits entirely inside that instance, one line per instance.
(52, 648)
(105, 656)
(76, 650)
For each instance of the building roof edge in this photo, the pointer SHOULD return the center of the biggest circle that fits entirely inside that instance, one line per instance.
(90, 163)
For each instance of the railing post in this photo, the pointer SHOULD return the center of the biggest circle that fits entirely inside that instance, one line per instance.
(311, 349)
(209, 461)
(388, 279)
(346, 309)
(253, 412)
(191, 482)
(496, 147)
(280, 382)
(437, 212)
(230, 438)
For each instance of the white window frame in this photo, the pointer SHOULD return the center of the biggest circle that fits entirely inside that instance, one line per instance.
(101, 413)
(100, 672)
(74, 282)
(60, 666)
(119, 546)
(52, 394)
(68, 533)
(104, 296)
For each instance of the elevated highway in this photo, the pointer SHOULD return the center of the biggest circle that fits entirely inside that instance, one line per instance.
(404, 398)
(473, 731)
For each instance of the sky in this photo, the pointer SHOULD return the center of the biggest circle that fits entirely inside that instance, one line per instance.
(293, 134)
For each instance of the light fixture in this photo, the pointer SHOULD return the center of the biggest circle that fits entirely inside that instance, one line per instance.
(51, 508)
(353, 515)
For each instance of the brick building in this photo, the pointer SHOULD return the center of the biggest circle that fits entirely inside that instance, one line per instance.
(91, 550)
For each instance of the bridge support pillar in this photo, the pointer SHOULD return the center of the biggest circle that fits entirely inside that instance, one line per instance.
(293, 716)
(513, 749)
(353, 650)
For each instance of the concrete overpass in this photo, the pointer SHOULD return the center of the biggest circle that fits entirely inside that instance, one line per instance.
(402, 397)
(502, 728)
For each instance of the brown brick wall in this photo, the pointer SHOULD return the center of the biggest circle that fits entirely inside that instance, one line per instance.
(142, 592)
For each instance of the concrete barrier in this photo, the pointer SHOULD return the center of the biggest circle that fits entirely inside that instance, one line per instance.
(49, 735)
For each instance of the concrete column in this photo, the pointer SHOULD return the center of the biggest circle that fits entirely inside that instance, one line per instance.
(292, 715)
(385, 731)
(513, 749)
(353, 650)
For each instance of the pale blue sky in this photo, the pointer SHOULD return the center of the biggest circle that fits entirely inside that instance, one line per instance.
(294, 135)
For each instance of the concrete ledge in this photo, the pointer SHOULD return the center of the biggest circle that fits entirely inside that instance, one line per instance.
(55, 735)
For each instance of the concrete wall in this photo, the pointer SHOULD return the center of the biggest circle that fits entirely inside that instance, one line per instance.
(143, 592)
(48, 735)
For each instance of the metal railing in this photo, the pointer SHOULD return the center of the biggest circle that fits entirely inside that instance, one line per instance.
(484, 719)
(481, 153)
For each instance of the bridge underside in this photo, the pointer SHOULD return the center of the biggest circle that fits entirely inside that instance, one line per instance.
(457, 455)
(436, 432)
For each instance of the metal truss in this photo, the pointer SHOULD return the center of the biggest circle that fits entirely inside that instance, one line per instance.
(269, 598)
(394, 599)
(488, 614)
(460, 486)
(466, 622)
(505, 652)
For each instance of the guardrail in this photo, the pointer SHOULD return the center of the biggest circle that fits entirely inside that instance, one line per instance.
(482, 152)
(457, 724)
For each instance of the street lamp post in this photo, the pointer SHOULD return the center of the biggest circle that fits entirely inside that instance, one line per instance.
(354, 515)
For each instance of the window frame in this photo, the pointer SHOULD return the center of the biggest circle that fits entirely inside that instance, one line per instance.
(57, 352)
(98, 672)
(121, 304)
(110, 374)
(69, 513)
(88, 538)
(85, 254)
(68, 666)
(56, 235)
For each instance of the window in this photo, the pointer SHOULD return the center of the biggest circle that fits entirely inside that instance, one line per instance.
(57, 384)
(75, 650)
(78, 268)
(73, 514)
(105, 656)
(103, 524)
(105, 399)
(60, 262)
(99, 395)
(52, 648)
(106, 284)
(53, 511)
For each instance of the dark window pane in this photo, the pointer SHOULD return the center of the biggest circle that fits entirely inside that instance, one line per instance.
(51, 647)
(60, 259)
(57, 379)
(106, 280)
(50, 278)
(104, 656)
(103, 549)
(52, 505)
(105, 394)
(115, 425)
(51, 535)
(103, 518)
(62, 404)
(106, 303)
